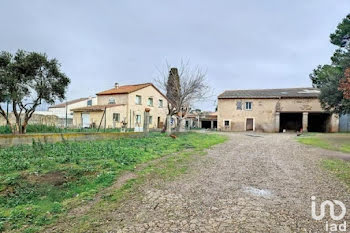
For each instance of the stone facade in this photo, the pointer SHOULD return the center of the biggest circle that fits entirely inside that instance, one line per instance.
(265, 113)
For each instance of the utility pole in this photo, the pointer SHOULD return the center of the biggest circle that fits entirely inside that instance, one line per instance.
(104, 115)
(198, 122)
(105, 120)
(66, 114)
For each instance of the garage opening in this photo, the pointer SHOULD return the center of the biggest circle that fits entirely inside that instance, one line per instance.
(215, 124)
(206, 124)
(291, 121)
(318, 122)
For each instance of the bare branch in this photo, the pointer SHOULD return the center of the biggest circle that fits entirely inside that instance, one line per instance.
(183, 86)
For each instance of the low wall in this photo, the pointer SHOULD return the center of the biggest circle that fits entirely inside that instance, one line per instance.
(40, 119)
(12, 140)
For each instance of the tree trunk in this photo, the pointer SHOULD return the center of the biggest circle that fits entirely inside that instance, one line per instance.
(168, 122)
(182, 124)
(164, 127)
(17, 129)
(8, 123)
(178, 120)
(24, 127)
(180, 127)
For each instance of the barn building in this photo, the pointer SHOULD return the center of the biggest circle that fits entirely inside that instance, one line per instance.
(274, 110)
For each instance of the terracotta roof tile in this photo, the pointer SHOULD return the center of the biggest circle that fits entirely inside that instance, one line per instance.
(126, 89)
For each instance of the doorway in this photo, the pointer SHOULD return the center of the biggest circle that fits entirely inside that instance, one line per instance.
(138, 124)
(158, 122)
(249, 124)
(206, 124)
(85, 119)
(318, 122)
(291, 121)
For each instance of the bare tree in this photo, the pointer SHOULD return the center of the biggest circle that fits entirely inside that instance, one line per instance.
(184, 86)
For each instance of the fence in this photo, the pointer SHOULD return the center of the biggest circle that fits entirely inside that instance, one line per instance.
(344, 123)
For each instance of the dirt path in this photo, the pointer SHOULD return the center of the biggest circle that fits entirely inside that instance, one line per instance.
(260, 183)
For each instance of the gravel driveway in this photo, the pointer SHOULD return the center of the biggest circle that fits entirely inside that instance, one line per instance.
(251, 183)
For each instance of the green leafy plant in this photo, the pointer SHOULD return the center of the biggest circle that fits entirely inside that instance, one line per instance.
(39, 182)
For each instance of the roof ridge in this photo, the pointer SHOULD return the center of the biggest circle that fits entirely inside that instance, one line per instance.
(125, 89)
(69, 102)
(269, 89)
(271, 93)
(138, 84)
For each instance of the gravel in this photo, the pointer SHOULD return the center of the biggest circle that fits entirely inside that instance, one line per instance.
(248, 184)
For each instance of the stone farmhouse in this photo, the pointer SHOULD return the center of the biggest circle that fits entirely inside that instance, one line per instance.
(274, 110)
(124, 106)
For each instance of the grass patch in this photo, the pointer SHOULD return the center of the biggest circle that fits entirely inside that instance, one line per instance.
(41, 182)
(315, 141)
(340, 168)
(337, 142)
(38, 128)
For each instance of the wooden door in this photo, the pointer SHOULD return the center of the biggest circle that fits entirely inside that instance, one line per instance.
(158, 123)
(250, 124)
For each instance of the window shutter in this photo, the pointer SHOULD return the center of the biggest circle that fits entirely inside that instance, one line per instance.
(239, 105)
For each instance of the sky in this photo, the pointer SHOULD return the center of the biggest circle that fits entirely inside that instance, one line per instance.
(245, 44)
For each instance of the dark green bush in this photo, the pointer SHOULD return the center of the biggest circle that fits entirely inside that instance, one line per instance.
(5, 129)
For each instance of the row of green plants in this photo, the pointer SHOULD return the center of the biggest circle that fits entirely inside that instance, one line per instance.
(39, 128)
(42, 181)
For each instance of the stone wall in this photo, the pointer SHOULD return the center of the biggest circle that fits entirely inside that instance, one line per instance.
(41, 120)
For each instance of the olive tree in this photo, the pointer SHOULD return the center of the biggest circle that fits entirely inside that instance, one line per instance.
(27, 79)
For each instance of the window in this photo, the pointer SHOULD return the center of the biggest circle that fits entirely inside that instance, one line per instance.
(138, 100)
(227, 123)
(248, 105)
(111, 101)
(150, 118)
(138, 119)
(160, 104)
(116, 117)
(150, 102)
(89, 103)
(239, 105)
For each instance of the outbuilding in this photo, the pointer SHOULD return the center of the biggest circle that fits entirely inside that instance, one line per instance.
(274, 110)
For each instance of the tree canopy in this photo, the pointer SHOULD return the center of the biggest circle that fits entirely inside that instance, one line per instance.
(334, 80)
(26, 80)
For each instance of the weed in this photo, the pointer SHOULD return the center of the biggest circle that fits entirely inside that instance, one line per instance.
(41, 181)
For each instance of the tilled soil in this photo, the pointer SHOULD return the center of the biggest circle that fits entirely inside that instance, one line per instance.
(251, 183)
